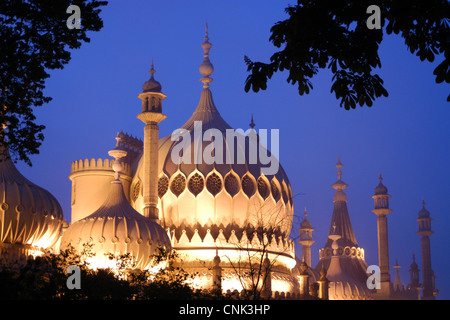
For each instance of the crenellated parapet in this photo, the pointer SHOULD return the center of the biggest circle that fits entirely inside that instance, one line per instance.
(91, 180)
(97, 165)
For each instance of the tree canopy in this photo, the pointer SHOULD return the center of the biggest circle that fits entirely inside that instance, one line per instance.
(334, 34)
(35, 38)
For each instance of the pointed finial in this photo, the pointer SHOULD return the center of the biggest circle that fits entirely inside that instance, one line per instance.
(305, 214)
(117, 153)
(252, 124)
(339, 165)
(380, 178)
(423, 202)
(152, 70)
(206, 68)
(323, 273)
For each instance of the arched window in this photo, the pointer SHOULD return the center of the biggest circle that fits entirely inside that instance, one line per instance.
(263, 189)
(213, 184)
(196, 184)
(231, 184)
(275, 190)
(284, 194)
(136, 190)
(178, 184)
(248, 186)
(163, 186)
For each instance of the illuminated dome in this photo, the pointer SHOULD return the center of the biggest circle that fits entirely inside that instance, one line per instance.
(215, 194)
(116, 228)
(30, 217)
(220, 195)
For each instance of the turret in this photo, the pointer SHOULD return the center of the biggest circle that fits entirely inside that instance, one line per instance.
(425, 232)
(151, 116)
(306, 239)
(381, 209)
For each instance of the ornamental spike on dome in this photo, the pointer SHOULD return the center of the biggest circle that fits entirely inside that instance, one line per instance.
(339, 185)
(151, 85)
(339, 165)
(117, 153)
(424, 213)
(152, 70)
(252, 123)
(206, 68)
(381, 189)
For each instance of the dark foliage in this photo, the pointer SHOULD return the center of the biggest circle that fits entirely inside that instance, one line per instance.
(34, 38)
(333, 34)
(45, 278)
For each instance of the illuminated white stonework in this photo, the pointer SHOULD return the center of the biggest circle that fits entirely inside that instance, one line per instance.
(31, 218)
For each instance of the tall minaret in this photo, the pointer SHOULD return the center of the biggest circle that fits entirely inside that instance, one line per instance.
(414, 285)
(306, 239)
(151, 115)
(381, 199)
(397, 282)
(425, 232)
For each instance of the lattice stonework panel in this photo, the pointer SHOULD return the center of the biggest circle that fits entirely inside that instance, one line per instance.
(137, 190)
(275, 190)
(248, 186)
(262, 188)
(196, 184)
(284, 194)
(163, 186)
(178, 184)
(231, 185)
(214, 184)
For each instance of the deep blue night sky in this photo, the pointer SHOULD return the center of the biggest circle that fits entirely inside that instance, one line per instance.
(406, 135)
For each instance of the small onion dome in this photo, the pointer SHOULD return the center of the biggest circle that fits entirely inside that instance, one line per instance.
(305, 224)
(381, 188)
(424, 213)
(151, 85)
(116, 228)
(414, 266)
(30, 217)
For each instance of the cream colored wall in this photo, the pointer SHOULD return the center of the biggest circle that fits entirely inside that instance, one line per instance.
(91, 180)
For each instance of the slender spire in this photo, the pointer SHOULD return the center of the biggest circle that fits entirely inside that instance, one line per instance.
(152, 70)
(339, 184)
(252, 124)
(206, 68)
(117, 153)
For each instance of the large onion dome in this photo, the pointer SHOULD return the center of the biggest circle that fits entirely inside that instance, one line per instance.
(229, 192)
(30, 217)
(116, 228)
